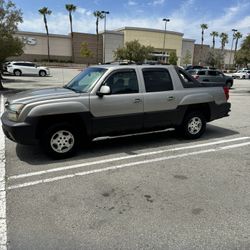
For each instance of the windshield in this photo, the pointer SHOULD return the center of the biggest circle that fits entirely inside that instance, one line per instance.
(85, 80)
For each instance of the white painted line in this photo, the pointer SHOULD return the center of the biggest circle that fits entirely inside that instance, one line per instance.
(81, 165)
(236, 145)
(108, 169)
(3, 224)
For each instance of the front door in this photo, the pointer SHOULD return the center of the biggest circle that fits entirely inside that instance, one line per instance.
(122, 110)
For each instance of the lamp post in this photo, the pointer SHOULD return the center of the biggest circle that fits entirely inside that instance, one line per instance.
(104, 40)
(164, 20)
(234, 30)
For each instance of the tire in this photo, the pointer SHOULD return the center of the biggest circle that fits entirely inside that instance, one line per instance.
(193, 125)
(60, 141)
(42, 73)
(243, 77)
(17, 72)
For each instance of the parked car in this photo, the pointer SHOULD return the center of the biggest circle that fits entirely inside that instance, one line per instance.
(214, 76)
(26, 68)
(5, 64)
(242, 74)
(106, 100)
(194, 67)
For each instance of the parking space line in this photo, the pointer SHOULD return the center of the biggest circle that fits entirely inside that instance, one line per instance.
(131, 164)
(3, 224)
(108, 169)
(81, 165)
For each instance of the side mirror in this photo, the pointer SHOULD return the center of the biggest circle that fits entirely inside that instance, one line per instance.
(104, 90)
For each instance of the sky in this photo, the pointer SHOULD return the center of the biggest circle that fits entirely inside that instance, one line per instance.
(185, 16)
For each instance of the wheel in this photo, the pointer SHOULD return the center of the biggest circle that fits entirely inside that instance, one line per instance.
(194, 125)
(243, 77)
(17, 72)
(60, 141)
(42, 73)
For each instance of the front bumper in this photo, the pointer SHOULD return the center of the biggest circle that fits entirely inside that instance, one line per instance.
(22, 133)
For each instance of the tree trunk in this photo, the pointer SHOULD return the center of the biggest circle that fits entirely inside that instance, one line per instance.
(97, 40)
(71, 30)
(47, 31)
(1, 83)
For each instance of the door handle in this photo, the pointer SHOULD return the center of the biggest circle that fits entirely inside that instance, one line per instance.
(137, 100)
(171, 98)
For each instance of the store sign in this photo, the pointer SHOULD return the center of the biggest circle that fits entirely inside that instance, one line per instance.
(29, 40)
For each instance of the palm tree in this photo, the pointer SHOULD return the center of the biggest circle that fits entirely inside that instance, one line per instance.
(214, 34)
(203, 28)
(236, 36)
(224, 40)
(45, 11)
(99, 15)
(71, 8)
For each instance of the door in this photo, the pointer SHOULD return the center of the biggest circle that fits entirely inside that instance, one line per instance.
(122, 110)
(160, 99)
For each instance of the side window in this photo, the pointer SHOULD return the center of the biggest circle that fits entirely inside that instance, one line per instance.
(201, 73)
(212, 73)
(123, 82)
(157, 80)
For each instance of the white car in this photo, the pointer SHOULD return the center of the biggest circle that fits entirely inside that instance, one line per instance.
(26, 68)
(242, 74)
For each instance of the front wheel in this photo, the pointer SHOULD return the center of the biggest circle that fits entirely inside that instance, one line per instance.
(194, 125)
(60, 141)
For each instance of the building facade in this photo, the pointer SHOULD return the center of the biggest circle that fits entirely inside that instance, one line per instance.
(163, 42)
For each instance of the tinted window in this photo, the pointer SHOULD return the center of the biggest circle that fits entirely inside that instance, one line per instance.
(123, 82)
(212, 73)
(157, 80)
(201, 73)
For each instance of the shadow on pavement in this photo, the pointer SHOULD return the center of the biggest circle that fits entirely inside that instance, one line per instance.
(126, 145)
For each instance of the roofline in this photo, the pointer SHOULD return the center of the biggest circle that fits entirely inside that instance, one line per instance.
(112, 32)
(40, 34)
(150, 30)
(188, 40)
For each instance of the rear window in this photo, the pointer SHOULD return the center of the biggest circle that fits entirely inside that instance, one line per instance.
(157, 80)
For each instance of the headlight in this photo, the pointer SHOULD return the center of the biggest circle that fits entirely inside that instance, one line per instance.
(14, 110)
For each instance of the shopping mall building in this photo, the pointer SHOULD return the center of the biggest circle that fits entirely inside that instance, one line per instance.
(61, 45)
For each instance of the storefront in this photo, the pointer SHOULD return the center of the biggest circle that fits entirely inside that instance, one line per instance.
(164, 42)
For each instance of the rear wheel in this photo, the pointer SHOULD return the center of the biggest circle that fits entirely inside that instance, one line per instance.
(194, 125)
(42, 73)
(17, 72)
(60, 141)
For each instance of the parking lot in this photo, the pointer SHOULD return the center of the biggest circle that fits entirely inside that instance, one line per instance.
(146, 191)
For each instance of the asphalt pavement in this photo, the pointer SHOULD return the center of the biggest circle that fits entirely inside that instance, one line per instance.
(146, 191)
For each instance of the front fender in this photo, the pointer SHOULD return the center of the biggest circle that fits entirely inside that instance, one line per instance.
(55, 109)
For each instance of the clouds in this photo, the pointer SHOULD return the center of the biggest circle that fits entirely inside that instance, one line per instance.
(138, 14)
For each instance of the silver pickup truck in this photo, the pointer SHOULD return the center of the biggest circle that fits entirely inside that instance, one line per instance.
(108, 100)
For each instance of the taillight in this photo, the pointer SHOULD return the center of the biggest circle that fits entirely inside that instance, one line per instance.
(226, 92)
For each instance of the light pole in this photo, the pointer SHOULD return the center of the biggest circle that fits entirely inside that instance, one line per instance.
(234, 30)
(104, 40)
(164, 20)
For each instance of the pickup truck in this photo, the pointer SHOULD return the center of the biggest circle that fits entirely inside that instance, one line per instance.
(107, 100)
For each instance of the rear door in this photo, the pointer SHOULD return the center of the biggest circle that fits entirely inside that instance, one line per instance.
(122, 110)
(160, 98)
